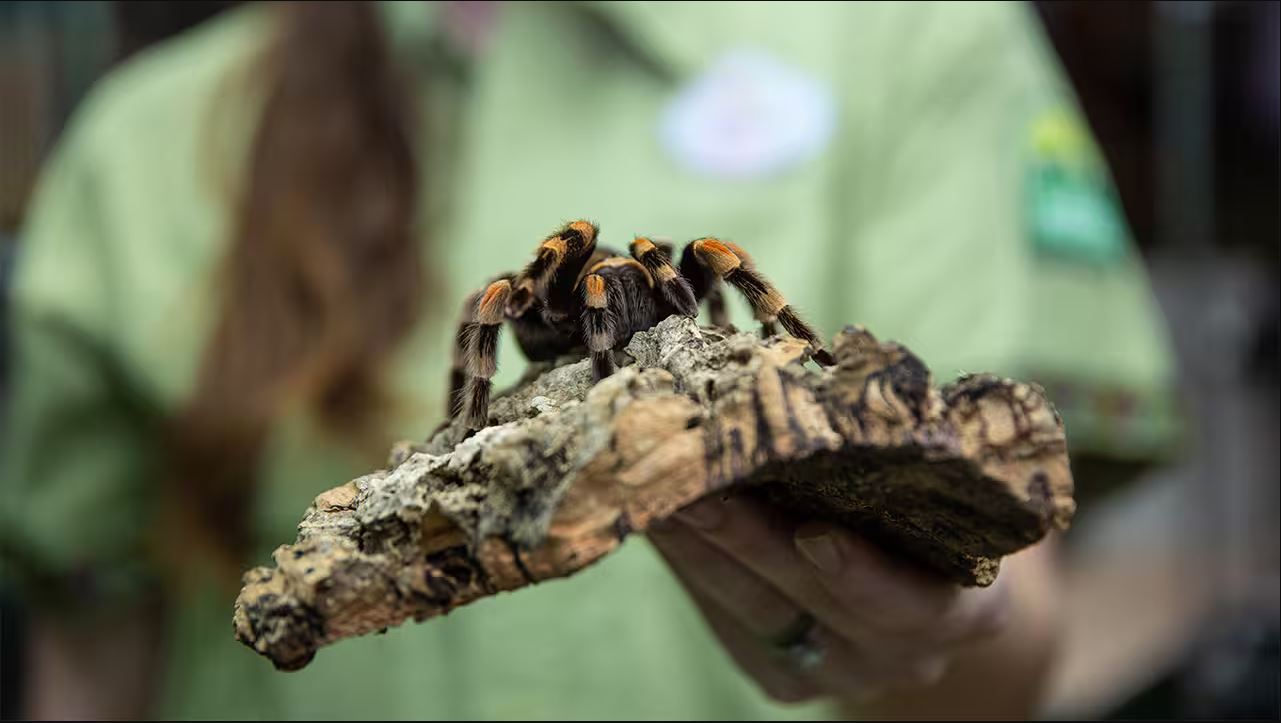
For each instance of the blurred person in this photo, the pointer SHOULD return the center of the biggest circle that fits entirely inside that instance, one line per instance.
(239, 280)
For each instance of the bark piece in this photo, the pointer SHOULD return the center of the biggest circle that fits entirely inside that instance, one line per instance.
(951, 478)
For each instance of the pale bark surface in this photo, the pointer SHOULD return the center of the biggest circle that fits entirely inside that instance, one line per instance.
(951, 478)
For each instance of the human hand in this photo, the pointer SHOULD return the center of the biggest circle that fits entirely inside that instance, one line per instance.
(858, 624)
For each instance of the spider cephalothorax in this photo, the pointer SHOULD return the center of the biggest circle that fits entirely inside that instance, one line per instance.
(579, 298)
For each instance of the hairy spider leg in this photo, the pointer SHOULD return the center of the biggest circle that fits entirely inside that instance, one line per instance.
(721, 260)
(676, 290)
(622, 303)
(553, 274)
(706, 287)
(482, 351)
(600, 325)
(458, 368)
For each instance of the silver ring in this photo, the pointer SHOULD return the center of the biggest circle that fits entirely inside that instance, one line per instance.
(797, 644)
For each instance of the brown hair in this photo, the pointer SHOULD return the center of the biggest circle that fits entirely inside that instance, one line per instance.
(323, 277)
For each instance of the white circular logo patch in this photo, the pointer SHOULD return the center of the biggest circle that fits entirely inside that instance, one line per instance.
(748, 116)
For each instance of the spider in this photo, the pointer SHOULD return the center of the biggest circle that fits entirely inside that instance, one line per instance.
(578, 298)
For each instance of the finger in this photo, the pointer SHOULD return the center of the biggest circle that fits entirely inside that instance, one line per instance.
(739, 641)
(893, 611)
(895, 599)
(859, 673)
(752, 601)
(760, 540)
(891, 596)
(757, 613)
(888, 607)
(843, 671)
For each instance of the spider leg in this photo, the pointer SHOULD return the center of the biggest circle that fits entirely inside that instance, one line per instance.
(666, 248)
(554, 269)
(705, 285)
(600, 324)
(482, 351)
(712, 294)
(765, 313)
(458, 369)
(723, 261)
(676, 289)
(716, 311)
(769, 326)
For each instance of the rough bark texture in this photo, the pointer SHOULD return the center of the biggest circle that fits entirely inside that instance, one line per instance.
(952, 478)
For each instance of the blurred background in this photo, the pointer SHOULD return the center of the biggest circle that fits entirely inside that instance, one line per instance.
(1176, 609)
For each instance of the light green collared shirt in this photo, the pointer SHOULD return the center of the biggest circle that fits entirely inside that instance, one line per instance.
(920, 169)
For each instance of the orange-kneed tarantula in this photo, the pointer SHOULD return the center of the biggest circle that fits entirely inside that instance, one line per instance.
(579, 298)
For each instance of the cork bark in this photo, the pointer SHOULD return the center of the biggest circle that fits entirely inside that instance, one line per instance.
(952, 478)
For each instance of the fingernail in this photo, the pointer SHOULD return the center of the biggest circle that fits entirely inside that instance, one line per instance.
(821, 551)
(705, 515)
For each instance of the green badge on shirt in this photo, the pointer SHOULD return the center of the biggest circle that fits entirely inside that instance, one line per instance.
(1072, 210)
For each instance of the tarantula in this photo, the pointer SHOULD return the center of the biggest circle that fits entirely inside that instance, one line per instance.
(576, 297)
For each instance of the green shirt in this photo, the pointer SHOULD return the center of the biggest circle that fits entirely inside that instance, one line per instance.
(930, 178)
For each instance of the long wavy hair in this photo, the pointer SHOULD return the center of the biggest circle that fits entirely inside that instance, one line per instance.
(322, 278)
